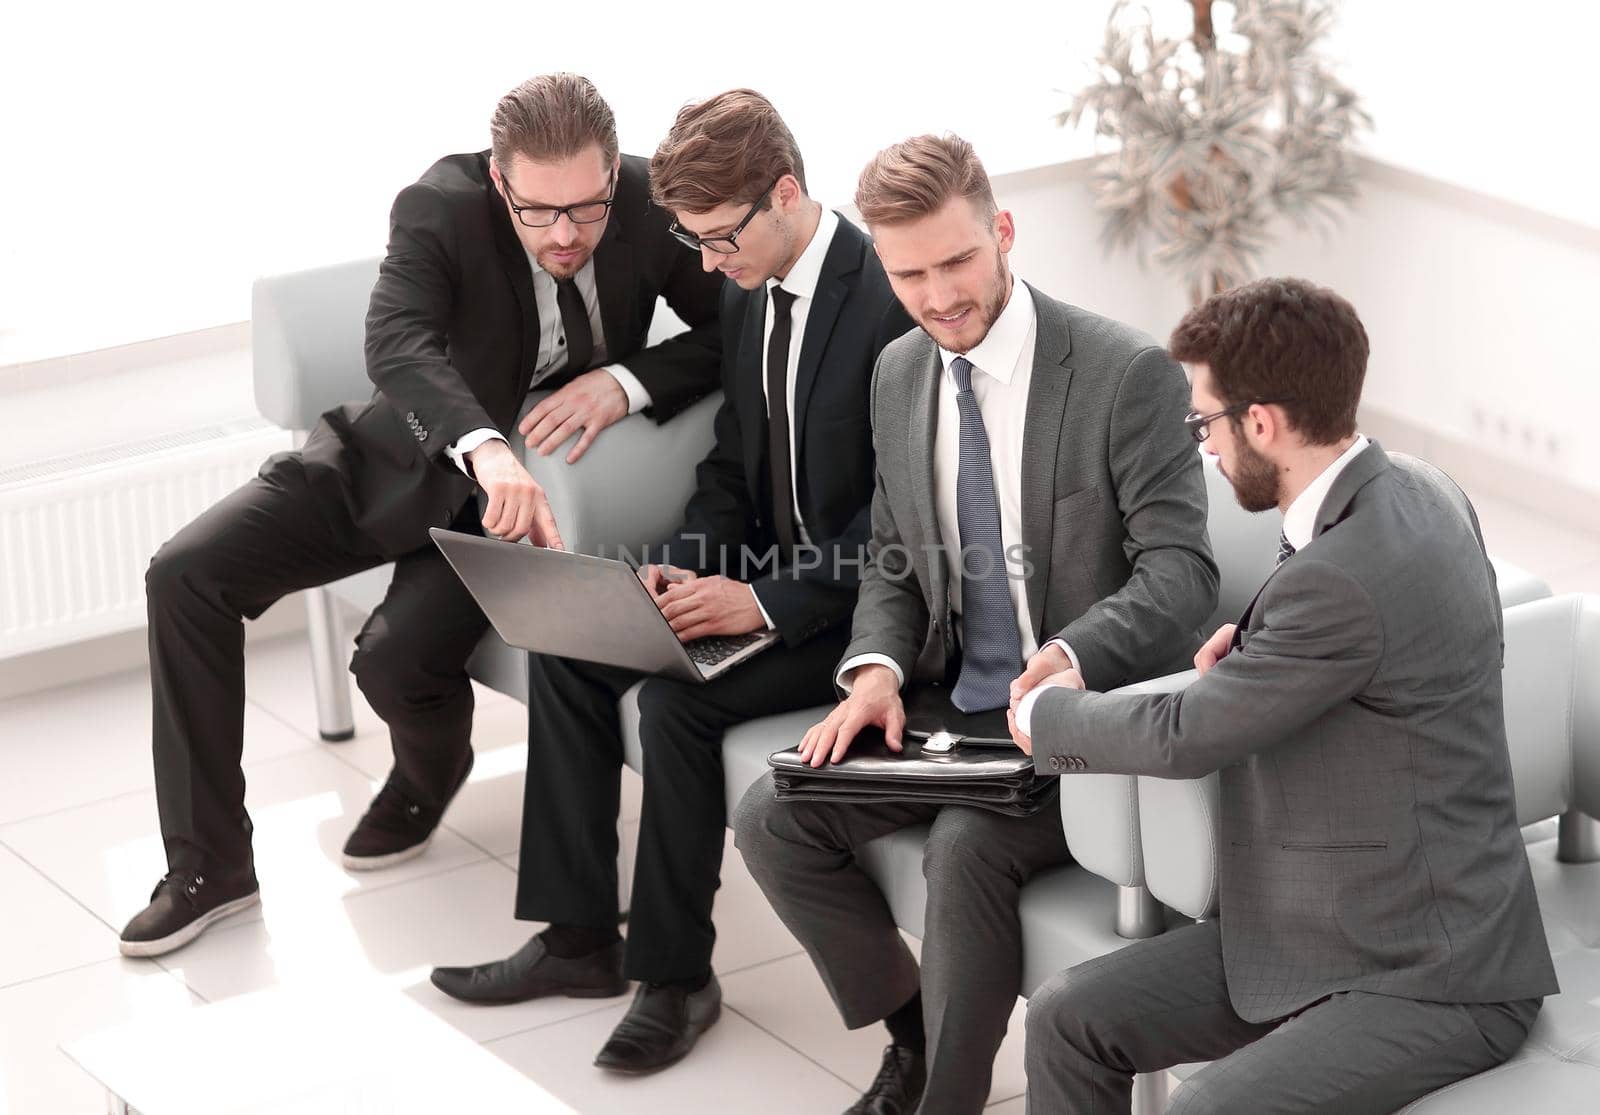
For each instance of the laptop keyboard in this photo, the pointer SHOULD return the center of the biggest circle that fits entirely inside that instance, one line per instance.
(712, 649)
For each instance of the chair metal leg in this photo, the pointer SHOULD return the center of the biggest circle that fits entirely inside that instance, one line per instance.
(335, 722)
(1577, 838)
(1150, 1093)
(1138, 913)
(116, 1105)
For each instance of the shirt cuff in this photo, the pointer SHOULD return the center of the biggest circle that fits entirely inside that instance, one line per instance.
(468, 442)
(842, 678)
(1065, 649)
(764, 617)
(638, 397)
(1025, 708)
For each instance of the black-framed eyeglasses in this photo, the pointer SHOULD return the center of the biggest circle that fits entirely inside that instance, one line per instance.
(728, 243)
(583, 213)
(1199, 425)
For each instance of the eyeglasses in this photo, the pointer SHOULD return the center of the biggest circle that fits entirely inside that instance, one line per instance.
(728, 243)
(1199, 424)
(583, 213)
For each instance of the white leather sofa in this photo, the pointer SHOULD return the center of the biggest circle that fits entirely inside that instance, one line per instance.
(629, 490)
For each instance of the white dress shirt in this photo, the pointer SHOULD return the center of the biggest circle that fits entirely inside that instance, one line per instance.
(801, 281)
(1298, 523)
(1002, 372)
(552, 354)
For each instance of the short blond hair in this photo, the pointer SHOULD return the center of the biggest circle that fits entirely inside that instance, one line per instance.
(550, 118)
(918, 176)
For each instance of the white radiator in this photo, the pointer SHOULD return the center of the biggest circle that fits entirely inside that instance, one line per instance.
(76, 533)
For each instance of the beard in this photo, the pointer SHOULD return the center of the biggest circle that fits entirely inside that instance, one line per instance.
(992, 303)
(1254, 479)
(559, 270)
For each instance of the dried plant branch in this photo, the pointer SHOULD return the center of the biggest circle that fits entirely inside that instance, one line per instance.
(1219, 134)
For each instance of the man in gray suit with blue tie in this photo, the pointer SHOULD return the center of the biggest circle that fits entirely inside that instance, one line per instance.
(1038, 505)
(1379, 936)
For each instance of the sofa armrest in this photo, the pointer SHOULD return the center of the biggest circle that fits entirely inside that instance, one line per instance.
(307, 340)
(629, 490)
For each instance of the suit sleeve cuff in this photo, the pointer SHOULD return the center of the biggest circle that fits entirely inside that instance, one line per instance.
(467, 443)
(843, 677)
(638, 397)
(765, 618)
(1027, 705)
(1068, 651)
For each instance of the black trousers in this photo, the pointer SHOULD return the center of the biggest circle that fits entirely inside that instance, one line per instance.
(1164, 1002)
(276, 535)
(568, 867)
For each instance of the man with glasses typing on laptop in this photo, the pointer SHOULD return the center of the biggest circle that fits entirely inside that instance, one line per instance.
(537, 263)
(806, 313)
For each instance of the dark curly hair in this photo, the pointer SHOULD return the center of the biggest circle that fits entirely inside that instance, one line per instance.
(1281, 339)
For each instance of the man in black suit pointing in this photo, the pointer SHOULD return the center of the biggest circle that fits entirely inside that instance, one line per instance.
(535, 264)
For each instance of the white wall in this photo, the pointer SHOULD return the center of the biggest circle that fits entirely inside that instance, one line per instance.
(1481, 314)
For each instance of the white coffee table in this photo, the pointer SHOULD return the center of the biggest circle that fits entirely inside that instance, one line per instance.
(291, 1052)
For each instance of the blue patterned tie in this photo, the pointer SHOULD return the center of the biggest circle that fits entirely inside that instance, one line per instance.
(991, 652)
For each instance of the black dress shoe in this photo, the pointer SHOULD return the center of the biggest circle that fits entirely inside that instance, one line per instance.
(182, 906)
(532, 972)
(396, 827)
(661, 1026)
(897, 1089)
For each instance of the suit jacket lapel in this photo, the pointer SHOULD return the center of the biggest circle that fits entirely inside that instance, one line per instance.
(514, 259)
(1368, 463)
(1041, 444)
(613, 280)
(843, 258)
(922, 428)
(1372, 461)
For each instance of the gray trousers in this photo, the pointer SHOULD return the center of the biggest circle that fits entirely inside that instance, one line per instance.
(975, 862)
(1164, 1002)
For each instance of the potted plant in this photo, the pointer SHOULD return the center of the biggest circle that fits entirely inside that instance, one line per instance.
(1218, 133)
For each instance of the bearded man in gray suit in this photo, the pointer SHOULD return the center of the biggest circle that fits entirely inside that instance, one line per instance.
(1379, 936)
(1038, 505)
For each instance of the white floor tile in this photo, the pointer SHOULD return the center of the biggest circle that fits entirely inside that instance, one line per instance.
(1017, 1106)
(43, 930)
(391, 937)
(748, 932)
(1585, 578)
(1533, 541)
(786, 998)
(108, 855)
(35, 1017)
(734, 1067)
(93, 742)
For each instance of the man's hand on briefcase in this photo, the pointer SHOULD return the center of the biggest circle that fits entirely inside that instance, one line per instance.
(517, 506)
(874, 701)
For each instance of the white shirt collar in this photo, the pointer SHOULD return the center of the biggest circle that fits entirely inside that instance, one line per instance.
(1301, 518)
(997, 354)
(801, 281)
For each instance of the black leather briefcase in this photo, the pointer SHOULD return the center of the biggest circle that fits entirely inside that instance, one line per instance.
(949, 758)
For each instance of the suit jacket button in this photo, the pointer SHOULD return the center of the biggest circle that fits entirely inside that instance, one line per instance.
(422, 435)
(411, 416)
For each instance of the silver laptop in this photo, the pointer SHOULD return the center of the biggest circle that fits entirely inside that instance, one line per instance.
(589, 608)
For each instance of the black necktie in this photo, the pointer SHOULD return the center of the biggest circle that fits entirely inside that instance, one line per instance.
(575, 324)
(1285, 551)
(778, 419)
